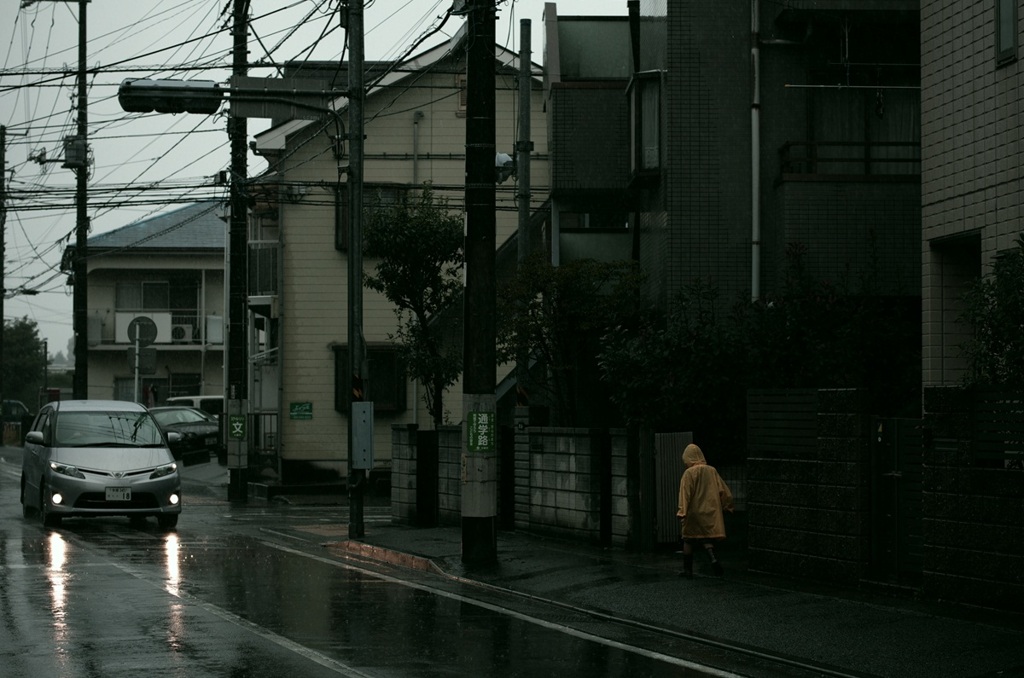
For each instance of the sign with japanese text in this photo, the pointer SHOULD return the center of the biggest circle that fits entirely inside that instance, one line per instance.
(236, 426)
(302, 410)
(481, 432)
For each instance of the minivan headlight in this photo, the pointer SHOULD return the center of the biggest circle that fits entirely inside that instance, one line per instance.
(66, 470)
(165, 470)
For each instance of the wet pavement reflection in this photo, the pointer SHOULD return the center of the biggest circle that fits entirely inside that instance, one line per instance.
(222, 597)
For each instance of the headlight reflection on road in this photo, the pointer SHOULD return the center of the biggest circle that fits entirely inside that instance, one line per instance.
(57, 575)
(176, 623)
(173, 550)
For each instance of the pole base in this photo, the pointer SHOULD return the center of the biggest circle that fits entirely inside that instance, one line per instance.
(479, 541)
(238, 485)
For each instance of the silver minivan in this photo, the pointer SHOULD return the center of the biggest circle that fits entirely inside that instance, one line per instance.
(99, 458)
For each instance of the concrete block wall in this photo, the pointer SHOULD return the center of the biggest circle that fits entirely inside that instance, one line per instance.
(973, 517)
(404, 468)
(564, 475)
(449, 484)
(558, 486)
(809, 509)
(403, 474)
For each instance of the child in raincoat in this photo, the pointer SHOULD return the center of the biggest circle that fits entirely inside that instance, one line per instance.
(702, 497)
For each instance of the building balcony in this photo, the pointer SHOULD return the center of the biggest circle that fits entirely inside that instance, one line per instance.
(172, 328)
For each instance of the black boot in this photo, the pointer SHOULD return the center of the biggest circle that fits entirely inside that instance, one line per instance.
(687, 566)
(715, 565)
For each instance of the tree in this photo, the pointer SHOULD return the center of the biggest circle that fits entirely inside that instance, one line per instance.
(23, 363)
(994, 310)
(560, 313)
(418, 244)
(684, 371)
(690, 370)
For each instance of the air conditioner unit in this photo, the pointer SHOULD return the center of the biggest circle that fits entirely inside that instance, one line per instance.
(181, 333)
(214, 329)
(122, 321)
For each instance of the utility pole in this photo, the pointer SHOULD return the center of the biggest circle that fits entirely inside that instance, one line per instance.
(3, 252)
(236, 363)
(523, 148)
(360, 415)
(479, 404)
(80, 164)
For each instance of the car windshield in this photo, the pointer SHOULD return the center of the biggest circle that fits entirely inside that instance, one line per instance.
(180, 415)
(110, 429)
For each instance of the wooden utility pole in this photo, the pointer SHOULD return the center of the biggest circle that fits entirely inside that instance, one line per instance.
(479, 404)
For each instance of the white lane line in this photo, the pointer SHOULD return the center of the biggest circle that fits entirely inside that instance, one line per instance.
(583, 635)
(338, 667)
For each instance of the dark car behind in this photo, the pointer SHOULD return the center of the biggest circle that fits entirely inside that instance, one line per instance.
(200, 433)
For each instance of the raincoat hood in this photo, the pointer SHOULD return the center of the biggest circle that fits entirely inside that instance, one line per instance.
(693, 456)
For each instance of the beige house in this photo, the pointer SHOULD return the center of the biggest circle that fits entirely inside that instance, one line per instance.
(414, 133)
(167, 274)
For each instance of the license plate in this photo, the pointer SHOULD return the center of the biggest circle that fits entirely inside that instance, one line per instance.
(212, 440)
(119, 494)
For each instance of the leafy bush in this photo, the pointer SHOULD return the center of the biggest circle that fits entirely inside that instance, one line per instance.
(994, 309)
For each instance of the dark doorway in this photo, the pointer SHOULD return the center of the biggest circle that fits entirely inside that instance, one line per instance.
(896, 481)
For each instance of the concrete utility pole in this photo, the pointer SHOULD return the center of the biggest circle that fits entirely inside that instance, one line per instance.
(360, 415)
(479, 404)
(80, 300)
(236, 363)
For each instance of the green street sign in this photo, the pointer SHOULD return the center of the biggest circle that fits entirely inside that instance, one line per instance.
(300, 410)
(236, 426)
(481, 432)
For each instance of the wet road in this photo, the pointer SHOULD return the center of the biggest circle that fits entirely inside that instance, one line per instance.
(234, 593)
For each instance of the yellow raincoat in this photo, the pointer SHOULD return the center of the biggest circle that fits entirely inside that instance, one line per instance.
(702, 497)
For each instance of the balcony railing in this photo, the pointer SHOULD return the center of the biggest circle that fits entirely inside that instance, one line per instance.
(849, 160)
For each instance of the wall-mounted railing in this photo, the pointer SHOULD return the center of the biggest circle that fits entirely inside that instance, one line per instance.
(850, 161)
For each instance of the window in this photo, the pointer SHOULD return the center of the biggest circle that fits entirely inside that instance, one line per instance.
(385, 382)
(143, 296)
(608, 217)
(374, 195)
(1006, 31)
(644, 94)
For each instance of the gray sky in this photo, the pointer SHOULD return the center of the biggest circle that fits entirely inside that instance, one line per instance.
(142, 161)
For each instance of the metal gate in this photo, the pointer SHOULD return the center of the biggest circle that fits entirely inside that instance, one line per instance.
(897, 532)
(668, 468)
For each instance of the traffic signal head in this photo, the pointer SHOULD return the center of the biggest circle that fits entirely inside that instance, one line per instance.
(169, 96)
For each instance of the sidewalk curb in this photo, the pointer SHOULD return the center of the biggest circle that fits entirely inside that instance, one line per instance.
(385, 555)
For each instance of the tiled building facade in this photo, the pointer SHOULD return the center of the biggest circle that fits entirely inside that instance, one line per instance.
(972, 126)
